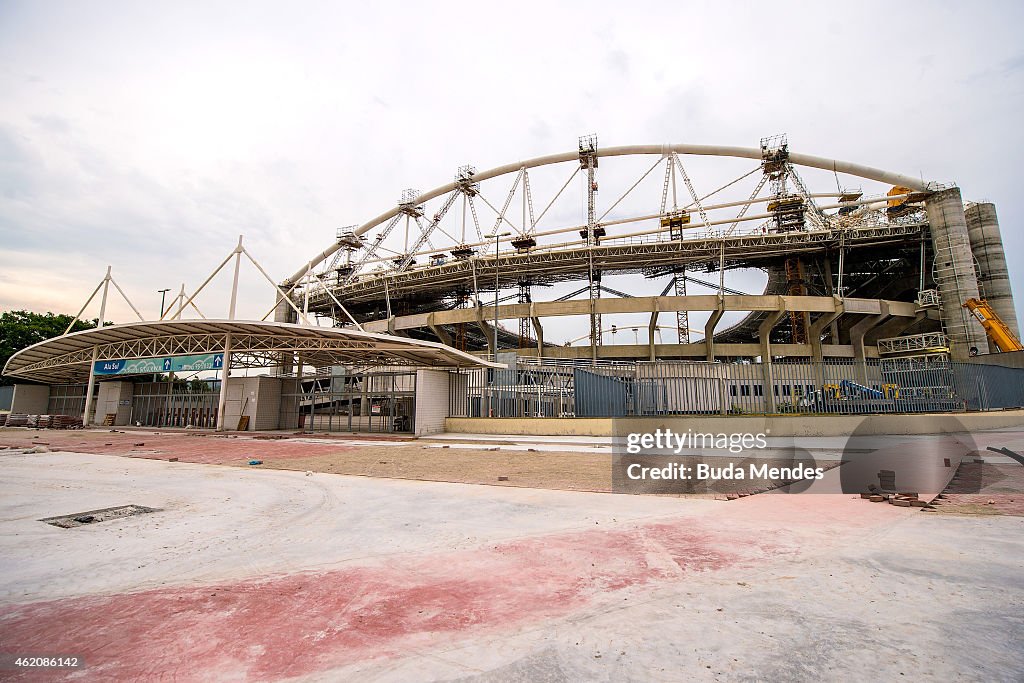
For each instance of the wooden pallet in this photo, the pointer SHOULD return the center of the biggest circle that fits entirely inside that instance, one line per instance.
(108, 421)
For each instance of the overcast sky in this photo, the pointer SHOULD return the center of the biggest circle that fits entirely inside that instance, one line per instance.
(149, 135)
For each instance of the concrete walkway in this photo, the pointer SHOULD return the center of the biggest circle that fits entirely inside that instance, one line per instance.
(274, 575)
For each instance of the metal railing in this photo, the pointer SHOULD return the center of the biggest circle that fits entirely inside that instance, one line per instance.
(532, 388)
(930, 342)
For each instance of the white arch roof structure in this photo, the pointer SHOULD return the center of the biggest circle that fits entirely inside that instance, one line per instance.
(807, 160)
(258, 344)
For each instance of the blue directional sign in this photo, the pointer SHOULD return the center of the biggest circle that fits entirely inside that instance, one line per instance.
(143, 366)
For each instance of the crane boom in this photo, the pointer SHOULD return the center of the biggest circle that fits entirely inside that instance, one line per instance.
(995, 328)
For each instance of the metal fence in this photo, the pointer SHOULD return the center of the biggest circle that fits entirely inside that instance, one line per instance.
(545, 388)
(68, 399)
(378, 402)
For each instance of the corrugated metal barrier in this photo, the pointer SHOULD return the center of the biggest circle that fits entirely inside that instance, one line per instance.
(550, 388)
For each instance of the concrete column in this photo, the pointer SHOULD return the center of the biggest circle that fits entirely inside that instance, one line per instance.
(817, 328)
(993, 275)
(652, 327)
(538, 332)
(764, 331)
(222, 399)
(439, 331)
(814, 332)
(954, 271)
(857, 334)
(284, 313)
(709, 332)
(487, 330)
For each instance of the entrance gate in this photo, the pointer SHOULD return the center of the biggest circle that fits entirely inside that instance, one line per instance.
(377, 402)
(174, 404)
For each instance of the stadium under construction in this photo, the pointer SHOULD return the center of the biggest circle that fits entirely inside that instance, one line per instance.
(882, 293)
(863, 308)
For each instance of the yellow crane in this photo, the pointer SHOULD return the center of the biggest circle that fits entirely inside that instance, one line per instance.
(995, 328)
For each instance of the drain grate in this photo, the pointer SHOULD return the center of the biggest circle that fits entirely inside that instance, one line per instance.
(95, 516)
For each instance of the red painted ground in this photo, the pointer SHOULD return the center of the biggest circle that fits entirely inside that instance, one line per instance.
(303, 623)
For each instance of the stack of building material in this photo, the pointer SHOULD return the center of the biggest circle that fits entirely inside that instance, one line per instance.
(41, 421)
(903, 499)
(65, 422)
(908, 499)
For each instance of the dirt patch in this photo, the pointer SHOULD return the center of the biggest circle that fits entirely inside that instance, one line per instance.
(564, 471)
(383, 458)
(984, 489)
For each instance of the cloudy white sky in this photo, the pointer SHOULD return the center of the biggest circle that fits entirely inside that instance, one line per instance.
(148, 136)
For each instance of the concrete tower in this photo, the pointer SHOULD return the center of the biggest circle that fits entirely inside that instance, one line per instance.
(955, 276)
(993, 276)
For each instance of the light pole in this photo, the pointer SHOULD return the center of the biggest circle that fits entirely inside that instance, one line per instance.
(163, 298)
(497, 236)
(163, 295)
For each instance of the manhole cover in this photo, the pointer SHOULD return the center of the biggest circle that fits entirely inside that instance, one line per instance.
(95, 516)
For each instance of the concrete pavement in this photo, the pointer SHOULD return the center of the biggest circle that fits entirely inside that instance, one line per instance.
(275, 575)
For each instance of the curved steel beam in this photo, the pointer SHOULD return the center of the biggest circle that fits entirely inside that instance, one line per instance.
(699, 150)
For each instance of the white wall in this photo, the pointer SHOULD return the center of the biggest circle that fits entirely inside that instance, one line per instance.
(30, 399)
(257, 397)
(111, 396)
(268, 406)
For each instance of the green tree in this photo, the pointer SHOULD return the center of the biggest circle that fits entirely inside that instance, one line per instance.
(21, 329)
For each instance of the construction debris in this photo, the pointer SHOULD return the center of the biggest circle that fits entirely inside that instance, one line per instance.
(41, 421)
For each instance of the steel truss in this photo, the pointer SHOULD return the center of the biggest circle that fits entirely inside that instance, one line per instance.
(593, 231)
(573, 261)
